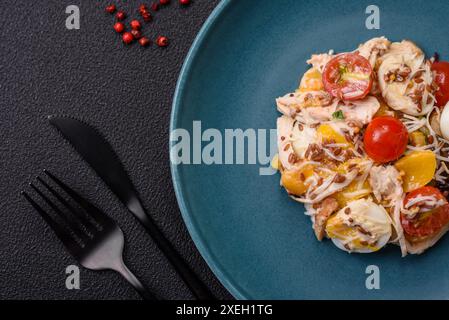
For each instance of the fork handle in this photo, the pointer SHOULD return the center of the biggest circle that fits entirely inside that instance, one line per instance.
(132, 279)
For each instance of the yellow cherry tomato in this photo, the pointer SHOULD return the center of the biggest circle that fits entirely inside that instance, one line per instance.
(327, 133)
(311, 81)
(418, 169)
(294, 180)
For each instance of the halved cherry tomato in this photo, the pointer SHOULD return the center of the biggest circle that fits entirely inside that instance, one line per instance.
(348, 77)
(441, 71)
(385, 139)
(426, 223)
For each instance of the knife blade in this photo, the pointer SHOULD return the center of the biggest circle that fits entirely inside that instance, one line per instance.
(100, 155)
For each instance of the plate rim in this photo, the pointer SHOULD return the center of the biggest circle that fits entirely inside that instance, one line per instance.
(186, 214)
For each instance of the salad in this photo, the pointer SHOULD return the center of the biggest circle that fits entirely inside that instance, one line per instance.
(364, 145)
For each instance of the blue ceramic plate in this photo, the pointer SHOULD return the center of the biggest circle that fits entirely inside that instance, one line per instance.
(256, 240)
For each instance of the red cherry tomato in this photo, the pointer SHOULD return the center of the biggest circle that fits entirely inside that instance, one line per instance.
(441, 70)
(348, 77)
(385, 139)
(426, 223)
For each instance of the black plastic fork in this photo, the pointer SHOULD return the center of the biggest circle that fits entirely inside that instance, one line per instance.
(88, 234)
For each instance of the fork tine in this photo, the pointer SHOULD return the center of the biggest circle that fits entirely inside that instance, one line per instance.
(90, 209)
(72, 224)
(88, 224)
(58, 229)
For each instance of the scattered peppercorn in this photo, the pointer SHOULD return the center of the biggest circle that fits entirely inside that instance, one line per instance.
(111, 8)
(162, 41)
(146, 16)
(142, 8)
(121, 15)
(136, 33)
(135, 24)
(119, 27)
(127, 37)
(144, 41)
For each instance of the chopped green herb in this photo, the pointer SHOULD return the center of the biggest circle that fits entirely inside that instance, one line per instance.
(342, 69)
(338, 115)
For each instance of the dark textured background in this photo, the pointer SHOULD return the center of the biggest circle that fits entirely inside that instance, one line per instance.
(126, 92)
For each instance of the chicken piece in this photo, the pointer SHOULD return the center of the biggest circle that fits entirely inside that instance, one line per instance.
(361, 111)
(405, 79)
(318, 114)
(288, 105)
(386, 183)
(319, 61)
(292, 103)
(323, 213)
(373, 49)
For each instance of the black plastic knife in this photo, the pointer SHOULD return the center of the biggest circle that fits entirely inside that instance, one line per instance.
(96, 151)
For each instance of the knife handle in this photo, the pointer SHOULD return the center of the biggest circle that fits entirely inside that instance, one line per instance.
(196, 286)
